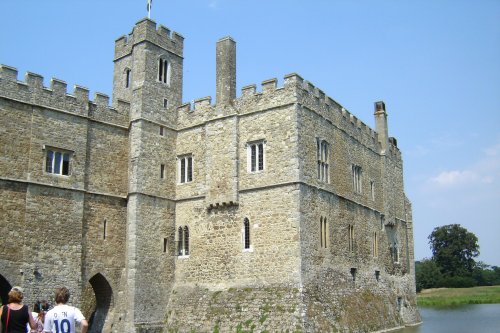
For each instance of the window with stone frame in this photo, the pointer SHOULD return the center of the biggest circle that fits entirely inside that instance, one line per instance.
(128, 77)
(375, 245)
(57, 161)
(246, 234)
(164, 70)
(357, 174)
(256, 156)
(162, 171)
(185, 168)
(322, 153)
(183, 241)
(323, 232)
(351, 237)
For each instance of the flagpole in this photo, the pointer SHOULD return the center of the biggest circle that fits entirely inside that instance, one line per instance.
(149, 8)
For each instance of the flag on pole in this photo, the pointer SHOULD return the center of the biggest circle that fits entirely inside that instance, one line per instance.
(149, 8)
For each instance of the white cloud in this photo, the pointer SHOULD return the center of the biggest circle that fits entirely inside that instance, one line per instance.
(486, 170)
(456, 177)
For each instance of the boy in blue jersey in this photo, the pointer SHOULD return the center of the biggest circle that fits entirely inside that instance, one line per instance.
(62, 318)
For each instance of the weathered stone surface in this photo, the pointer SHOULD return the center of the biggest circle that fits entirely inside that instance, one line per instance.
(323, 256)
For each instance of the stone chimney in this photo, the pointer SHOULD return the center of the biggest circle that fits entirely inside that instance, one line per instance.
(381, 125)
(225, 71)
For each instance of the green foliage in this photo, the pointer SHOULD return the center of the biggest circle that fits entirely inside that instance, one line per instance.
(486, 275)
(427, 274)
(454, 249)
(458, 282)
(452, 264)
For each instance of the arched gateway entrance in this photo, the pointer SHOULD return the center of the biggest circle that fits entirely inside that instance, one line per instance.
(102, 301)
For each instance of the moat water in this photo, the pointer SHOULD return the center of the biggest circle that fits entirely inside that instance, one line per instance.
(476, 318)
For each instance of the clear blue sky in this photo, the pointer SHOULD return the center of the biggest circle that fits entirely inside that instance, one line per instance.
(436, 64)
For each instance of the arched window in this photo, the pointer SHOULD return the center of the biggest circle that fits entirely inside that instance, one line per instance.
(246, 233)
(163, 70)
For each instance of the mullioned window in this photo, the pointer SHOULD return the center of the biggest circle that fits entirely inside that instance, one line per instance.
(57, 162)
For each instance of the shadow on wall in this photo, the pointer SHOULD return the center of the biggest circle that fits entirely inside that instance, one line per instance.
(5, 287)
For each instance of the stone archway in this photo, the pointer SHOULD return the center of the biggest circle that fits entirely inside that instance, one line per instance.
(103, 296)
(5, 287)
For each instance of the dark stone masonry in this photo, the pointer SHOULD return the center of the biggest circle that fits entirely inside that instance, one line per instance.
(274, 211)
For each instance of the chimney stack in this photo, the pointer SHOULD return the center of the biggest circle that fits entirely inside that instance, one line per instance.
(381, 125)
(225, 71)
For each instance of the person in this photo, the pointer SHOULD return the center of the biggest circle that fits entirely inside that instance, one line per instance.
(62, 317)
(15, 316)
(39, 310)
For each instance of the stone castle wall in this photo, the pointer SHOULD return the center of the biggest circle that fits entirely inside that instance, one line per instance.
(62, 230)
(109, 231)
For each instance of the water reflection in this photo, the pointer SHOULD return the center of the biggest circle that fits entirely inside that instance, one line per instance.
(477, 318)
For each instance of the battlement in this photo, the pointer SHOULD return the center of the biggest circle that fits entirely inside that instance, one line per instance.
(146, 30)
(32, 91)
(312, 97)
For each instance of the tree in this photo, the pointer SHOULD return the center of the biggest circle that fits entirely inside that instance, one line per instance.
(454, 249)
(427, 274)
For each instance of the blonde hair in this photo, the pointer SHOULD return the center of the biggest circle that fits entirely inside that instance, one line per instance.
(15, 295)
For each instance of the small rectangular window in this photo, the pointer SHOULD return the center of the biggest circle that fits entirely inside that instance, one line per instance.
(165, 103)
(357, 178)
(246, 233)
(353, 273)
(57, 162)
(255, 156)
(162, 131)
(322, 153)
(127, 78)
(165, 245)
(185, 169)
(351, 238)
(104, 229)
(162, 171)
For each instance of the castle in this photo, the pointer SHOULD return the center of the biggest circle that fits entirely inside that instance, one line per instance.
(274, 211)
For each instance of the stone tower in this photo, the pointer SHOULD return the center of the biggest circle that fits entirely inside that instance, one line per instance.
(148, 74)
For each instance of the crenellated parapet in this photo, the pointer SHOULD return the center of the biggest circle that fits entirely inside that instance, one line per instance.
(296, 89)
(146, 30)
(315, 99)
(56, 97)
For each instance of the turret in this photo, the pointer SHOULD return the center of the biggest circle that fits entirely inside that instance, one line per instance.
(148, 70)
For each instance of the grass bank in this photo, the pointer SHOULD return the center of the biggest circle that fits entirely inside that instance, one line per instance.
(457, 296)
